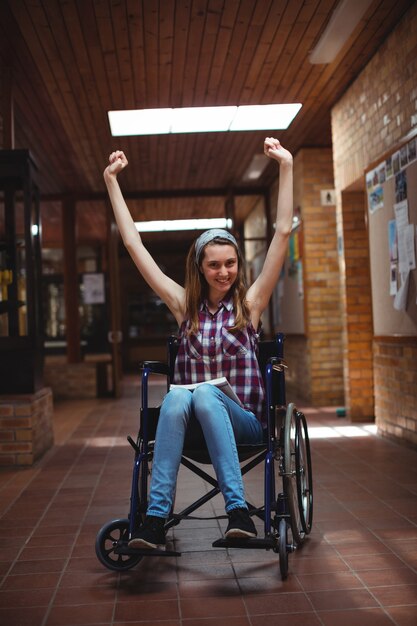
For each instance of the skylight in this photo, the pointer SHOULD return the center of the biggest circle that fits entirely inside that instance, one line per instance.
(202, 119)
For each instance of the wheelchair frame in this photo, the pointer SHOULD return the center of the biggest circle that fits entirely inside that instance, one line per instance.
(287, 515)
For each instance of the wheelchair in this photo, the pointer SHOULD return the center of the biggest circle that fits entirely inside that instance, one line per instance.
(286, 513)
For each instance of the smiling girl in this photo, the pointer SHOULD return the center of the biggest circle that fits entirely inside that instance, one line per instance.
(218, 319)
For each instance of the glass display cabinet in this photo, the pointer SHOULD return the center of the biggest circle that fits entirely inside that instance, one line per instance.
(21, 328)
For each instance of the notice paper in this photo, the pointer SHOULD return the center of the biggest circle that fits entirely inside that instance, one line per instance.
(400, 299)
(401, 214)
(409, 244)
(401, 222)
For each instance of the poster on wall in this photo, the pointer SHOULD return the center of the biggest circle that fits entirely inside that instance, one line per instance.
(393, 256)
(376, 199)
(94, 291)
(405, 246)
(382, 173)
(412, 150)
(392, 241)
(401, 186)
(388, 168)
(403, 157)
(300, 281)
(294, 254)
(396, 162)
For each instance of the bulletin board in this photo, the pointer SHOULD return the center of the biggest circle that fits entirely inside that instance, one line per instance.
(391, 188)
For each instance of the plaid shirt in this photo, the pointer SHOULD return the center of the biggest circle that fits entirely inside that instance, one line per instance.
(216, 351)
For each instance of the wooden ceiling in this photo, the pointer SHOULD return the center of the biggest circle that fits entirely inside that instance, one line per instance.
(70, 61)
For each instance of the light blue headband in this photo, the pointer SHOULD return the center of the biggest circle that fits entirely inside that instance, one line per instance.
(208, 236)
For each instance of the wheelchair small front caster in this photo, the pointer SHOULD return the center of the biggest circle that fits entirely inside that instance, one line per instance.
(111, 546)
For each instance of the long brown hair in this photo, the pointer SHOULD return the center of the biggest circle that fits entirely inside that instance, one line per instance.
(196, 288)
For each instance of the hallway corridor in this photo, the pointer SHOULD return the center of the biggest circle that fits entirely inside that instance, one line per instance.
(358, 566)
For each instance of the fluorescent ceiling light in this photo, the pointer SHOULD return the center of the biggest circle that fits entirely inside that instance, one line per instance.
(202, 119)
(256, 167)
(172, 225)
(342, 23)
(264, 117)
(143, 122)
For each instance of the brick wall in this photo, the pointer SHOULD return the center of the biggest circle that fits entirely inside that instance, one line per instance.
(70, 380)
(376, 113)
(395, 374)
(26, 430)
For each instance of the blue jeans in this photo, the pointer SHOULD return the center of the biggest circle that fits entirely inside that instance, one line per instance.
(223, 422)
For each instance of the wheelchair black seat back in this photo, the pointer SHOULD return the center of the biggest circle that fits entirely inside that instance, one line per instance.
(286, 514)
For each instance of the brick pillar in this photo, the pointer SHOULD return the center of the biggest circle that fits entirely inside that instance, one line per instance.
(357, 300)
(313, 172)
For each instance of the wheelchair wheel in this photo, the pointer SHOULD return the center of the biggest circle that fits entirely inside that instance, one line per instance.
(283, 552)
(304, 476)
(110, 537)
(291, 436)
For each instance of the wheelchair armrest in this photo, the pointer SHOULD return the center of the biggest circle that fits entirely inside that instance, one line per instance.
(278, 363)
(155, 367)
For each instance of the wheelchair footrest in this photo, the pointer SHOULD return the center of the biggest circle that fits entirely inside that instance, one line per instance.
(265, 543)
(124, 549)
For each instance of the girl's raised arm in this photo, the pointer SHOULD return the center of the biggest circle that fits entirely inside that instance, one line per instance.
(167, 289)
(260, 292)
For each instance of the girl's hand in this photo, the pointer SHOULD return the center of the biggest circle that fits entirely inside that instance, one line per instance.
(274, 150)
(117, 162)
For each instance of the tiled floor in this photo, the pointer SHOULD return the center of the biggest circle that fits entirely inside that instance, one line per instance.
(358, 566)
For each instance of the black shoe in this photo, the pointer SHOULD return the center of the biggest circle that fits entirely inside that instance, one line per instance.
(240, 525)
(151, 535)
